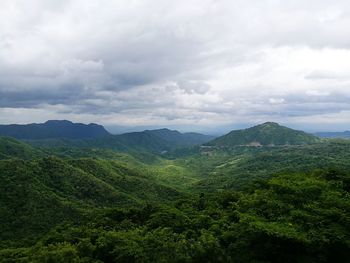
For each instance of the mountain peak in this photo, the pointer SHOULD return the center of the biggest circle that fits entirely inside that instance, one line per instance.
(161, 130)
(270, 124)
(55, 122)
(266, 134)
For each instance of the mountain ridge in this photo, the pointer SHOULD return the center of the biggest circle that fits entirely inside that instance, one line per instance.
(265, 134)
(53, 129)
(344, 134)
(64, 133)
(180, 139)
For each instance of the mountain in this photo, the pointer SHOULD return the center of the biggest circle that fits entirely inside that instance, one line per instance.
(127, 142)
(156, 141)
(238, 167)
(12, 148)
(237, 204)
(63, 133)
(266, 134)
(143, 141)
(53, 129)
(36, 195)
(345, 134)
(177, 138)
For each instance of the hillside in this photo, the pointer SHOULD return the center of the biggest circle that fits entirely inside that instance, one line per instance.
(104, 201)
(37, 195)
(68, 134)
(127, 142)
(143, 141)
(12, 148)
(236, 168)
(266, 134)
(155, 141)
(53, 129)
(177, 138)
(289, 218)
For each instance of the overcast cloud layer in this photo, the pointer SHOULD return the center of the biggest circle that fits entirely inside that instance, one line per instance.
(198, 64)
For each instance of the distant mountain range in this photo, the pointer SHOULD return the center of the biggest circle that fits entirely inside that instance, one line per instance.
(266, 134)
(57, 133)
(53, 129)
(345, 134)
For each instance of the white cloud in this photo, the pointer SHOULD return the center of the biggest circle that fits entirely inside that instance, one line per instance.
(174, 62)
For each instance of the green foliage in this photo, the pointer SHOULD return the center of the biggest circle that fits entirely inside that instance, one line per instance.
(289, 218)
(239, 204)
(268, 133)
(149, 141)
(11, 148)
(37, 195)
(235, 168)
(176, 138)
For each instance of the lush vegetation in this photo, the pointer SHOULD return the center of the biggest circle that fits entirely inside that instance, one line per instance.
(60, 134)
(11, 148)
(77, 202)
(268, 133)
(290, 218)
(234, 168)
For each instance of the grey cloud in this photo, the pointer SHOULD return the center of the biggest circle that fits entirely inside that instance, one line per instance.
(324, 75)
(208, 61)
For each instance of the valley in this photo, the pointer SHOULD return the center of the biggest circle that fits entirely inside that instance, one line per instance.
(262, 194)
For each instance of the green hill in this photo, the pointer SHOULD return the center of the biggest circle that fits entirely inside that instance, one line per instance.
(266, 134)
(176, 138)
(144, 141)
(155, 141)
(128, 142)
(236, 167)
(112, 199)
(39, 194)
(63, 133)
(289, 218)
(12, 148)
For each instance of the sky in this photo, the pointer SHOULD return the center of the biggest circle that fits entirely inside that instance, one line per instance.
(192, 65)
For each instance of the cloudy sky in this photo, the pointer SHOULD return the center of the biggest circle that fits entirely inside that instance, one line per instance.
(203, 65)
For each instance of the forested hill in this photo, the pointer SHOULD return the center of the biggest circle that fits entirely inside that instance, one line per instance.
(12, 148)
(239, 204)
(266, 134)
(64, 133)
(181, 139)
(53, 129)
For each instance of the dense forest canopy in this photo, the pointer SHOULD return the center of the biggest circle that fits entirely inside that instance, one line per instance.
(78, 200)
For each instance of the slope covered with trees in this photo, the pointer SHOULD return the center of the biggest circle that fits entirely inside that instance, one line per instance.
(181, 139)
(100, 203)
(156, 141)
(267, 134)
(12, 148)
(37, 195)
(290, 218)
